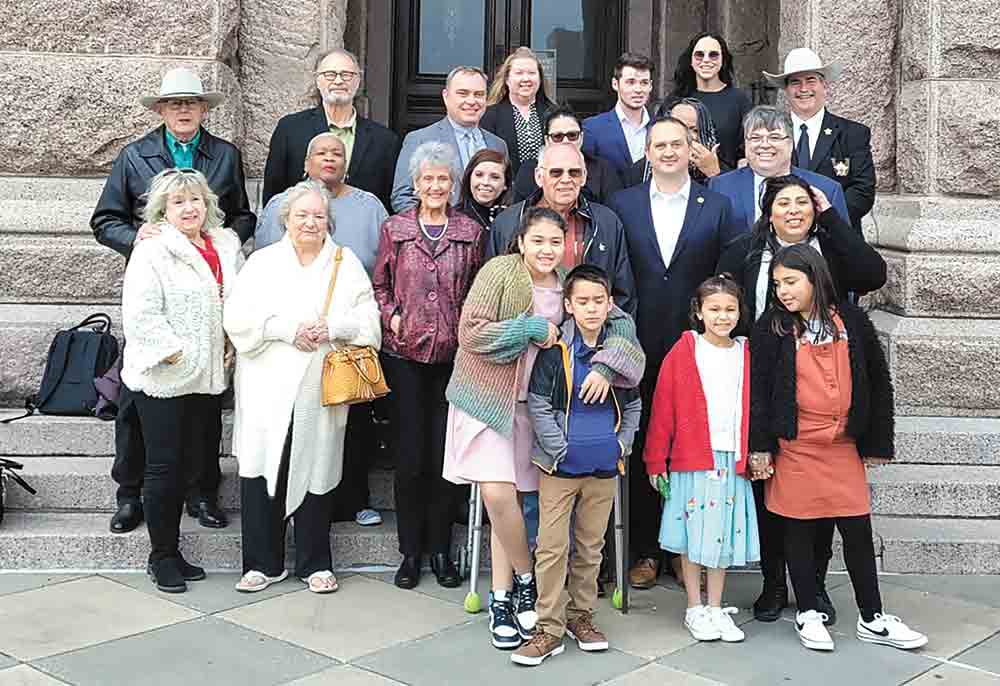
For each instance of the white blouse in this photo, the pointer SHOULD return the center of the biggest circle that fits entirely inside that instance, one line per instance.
(721, 372)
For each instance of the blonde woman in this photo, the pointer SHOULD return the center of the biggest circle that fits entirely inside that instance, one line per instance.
(517, 106)
(175, 361)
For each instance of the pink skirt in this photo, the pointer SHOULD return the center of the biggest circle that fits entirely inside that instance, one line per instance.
(474, 452)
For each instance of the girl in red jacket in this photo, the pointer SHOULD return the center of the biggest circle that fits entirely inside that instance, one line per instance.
(697, 445)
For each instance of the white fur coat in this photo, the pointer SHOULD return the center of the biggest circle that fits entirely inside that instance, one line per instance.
(274, 293)
(170, 304)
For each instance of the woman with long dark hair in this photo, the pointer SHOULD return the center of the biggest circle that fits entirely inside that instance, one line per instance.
(821, 410)
(705, 72)
(486, 186)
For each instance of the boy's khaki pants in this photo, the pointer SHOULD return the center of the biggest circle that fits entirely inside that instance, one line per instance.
(593, 499)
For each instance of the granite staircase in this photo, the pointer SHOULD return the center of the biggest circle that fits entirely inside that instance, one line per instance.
(937, 508)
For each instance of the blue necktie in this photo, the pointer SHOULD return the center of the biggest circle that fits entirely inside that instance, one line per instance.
(803, 148)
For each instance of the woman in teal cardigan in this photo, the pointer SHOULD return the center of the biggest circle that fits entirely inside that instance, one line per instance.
(512, 311)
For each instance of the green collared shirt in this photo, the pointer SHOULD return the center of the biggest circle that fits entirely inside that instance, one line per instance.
(346, 135)
(183, 153)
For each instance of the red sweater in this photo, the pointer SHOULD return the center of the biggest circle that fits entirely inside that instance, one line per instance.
(678, 430)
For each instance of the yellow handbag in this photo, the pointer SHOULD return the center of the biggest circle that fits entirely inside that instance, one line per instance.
(353, 374)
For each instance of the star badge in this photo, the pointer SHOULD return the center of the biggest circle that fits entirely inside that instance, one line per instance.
(827, 131)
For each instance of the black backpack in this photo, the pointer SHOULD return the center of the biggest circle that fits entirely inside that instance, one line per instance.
(7, 468)
(76, 358)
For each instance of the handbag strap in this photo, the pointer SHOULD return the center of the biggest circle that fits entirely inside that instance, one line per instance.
(333, 279)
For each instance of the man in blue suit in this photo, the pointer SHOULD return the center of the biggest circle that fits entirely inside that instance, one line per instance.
(768, 134)
(619, 135)
(675, 229)
(465, 102)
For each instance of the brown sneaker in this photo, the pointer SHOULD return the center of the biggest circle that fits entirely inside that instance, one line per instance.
(643, 573)
(587, 636)
(537, 649)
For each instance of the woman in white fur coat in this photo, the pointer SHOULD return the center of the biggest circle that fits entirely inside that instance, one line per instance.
(175, 360)
(289, 446)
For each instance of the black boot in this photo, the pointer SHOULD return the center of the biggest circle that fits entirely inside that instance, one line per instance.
(166, 575)
(823, 602)
(774, 597)
(444, 570)
(408, 574)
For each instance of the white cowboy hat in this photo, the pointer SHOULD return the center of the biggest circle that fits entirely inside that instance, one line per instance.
(802, 60)
(182, 83)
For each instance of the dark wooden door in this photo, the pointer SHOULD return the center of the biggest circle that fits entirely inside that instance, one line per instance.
(432, 36)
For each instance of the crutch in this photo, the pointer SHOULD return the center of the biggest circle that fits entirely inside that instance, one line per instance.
(473, 545)
(620, 598)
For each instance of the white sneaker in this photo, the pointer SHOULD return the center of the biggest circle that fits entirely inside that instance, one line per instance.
(368, 517)
(699, 623)
(723, 621)
(813, 634)
(889, 630)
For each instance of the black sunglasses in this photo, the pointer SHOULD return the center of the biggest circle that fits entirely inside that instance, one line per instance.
(559, 137)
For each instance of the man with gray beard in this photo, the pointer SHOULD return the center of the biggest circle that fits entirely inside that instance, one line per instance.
(371, 148)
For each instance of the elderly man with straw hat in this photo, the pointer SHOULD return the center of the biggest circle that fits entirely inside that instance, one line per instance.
(833, 146)
(179, 141)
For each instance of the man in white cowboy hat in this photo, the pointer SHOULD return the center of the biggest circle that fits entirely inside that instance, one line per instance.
(825, 143)
(179, 141)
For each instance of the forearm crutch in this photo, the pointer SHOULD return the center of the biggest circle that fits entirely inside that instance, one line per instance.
(474, 539)
(620, 598)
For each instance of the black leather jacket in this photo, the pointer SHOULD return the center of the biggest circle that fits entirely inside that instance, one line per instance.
(118, 215)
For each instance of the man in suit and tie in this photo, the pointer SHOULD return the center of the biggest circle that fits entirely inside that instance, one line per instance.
(371, 148)
(619, 135)
(833, 146)
(675, 229)
(768, 133)
(465, 101)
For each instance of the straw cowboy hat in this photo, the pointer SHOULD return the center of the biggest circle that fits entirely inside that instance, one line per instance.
(181, 83)
(800, 61)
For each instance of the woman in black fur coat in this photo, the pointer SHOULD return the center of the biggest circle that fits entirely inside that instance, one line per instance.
(821, 410)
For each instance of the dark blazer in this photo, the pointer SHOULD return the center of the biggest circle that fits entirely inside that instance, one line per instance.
(737, 185)
(774, 411)
(603, 137)
(602, 180)
(603, 239)
(499, 119)
(118, 215)
(666, 283)
(854, 265)
(373, 157)
(847, 141)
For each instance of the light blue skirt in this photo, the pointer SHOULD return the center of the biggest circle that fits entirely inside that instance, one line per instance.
(710, 516)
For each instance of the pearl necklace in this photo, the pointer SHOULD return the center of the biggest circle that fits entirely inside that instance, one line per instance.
(424, 231)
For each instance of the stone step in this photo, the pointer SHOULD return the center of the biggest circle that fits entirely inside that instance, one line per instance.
(924, 440)
(66, 268)
(39, 206)
(79, 541)
(84, 484)
(26, 332)
(971, 491)
(917, 545)
(943, 367)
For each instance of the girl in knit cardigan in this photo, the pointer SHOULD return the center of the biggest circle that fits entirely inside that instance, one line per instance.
(822, 408)
(511, 312)
(696, 454)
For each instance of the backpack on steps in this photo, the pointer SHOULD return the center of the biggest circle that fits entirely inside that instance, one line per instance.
(7, 468)
(77, 356)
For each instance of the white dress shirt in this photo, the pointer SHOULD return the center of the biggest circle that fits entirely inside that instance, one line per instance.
(668, 216)
(814, 125)
(635, 136)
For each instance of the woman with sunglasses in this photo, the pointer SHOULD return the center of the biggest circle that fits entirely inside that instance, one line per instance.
(705, 72)
(563, 126)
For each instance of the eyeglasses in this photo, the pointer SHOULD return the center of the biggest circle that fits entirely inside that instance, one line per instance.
(575, 173)
(701, 55)
(182, 103)
(332, 75)
(772, 138)
(560, 136)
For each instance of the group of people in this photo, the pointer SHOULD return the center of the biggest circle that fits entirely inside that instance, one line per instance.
(657, 294)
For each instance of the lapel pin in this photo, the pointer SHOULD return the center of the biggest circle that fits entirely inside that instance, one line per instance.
(841, 167)
(601, 247)
(701, 200)
(827, 131)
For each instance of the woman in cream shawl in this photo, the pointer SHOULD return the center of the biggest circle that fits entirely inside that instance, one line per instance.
(290, 447)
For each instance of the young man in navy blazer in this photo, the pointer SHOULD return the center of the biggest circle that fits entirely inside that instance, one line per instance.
(619, 135)
(675, 229)
(768, 133)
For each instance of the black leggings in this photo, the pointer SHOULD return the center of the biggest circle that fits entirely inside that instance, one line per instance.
(859, 556)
